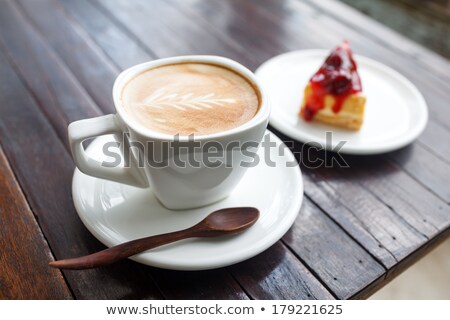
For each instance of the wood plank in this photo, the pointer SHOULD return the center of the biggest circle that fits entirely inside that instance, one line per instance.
(224, 28)
(261, 277)
(137, 288)
(322, 245)
(418, 222)
(199, 285)
(123, 11)
(157, 32)
(390, 229)
(329, 201)
(170, 24)
(435, 175)
(25, 254)
(434, 136)
(108, 35)
(418, 254)
(248, 18)
(44, 170)
(376, 204)
(61, 98)
(75, 48)
(399, 191)
(279, 276)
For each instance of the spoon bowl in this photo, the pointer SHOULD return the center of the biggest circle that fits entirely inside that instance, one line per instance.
(228, 221)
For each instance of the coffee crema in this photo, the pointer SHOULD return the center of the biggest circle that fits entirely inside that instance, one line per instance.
(190, 98)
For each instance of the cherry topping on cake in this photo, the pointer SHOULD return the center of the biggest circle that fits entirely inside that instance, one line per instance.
(337, 77)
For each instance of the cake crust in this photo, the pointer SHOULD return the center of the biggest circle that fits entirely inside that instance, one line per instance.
(350, 116)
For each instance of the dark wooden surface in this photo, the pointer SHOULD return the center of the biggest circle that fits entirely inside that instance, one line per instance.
(25, 252)
(358, 227)
(427, 22)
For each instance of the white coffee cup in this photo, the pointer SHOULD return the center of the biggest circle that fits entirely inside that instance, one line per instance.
(176, 187)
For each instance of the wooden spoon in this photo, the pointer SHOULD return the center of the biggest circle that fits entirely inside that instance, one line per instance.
(219, 223)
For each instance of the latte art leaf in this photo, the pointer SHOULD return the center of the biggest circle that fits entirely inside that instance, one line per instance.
(162, 99)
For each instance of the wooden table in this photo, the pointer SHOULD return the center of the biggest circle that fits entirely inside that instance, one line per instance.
(358, 228)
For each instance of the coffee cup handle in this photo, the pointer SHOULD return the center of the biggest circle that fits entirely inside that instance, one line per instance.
(82, 130)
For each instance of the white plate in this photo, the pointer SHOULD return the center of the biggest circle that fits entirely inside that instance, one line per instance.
(115, 213)
(396, 112)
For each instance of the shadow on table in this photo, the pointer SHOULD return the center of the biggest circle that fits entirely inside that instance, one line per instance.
(320, 165)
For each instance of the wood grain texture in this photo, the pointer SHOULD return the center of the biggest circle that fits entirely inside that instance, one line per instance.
(44, 170)
(24, 254)
(377, 204)
(433, 141)
(123, 48)
(74, 47)
(435, 175)
(411, 201)
(156, 32)
(279, 275)
(61, 98)
(192, 285)
(322, 245)
(163, 14)
(397, 237)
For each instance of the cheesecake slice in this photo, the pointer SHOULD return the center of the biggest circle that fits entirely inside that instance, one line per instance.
(334, 93)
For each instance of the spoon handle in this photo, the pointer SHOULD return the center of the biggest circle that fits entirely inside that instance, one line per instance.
(122, 251)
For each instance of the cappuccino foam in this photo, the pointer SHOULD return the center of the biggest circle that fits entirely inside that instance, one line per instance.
(190, 98)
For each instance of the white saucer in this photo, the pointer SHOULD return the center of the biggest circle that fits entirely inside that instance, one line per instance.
(396, 112)
(115, 213)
